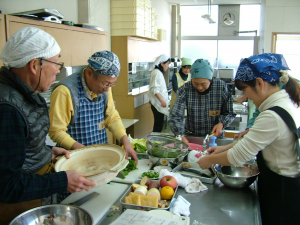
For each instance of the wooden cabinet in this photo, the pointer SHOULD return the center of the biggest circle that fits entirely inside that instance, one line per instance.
(133, 50)
(77, 44)
(2, 34)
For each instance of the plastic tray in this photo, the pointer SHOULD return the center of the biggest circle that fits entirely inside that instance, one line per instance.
(127, 10)
(141, 207)
(189, 174)
(127, 3)
(127, 17)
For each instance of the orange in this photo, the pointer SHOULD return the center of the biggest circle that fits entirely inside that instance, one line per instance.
(167, 192)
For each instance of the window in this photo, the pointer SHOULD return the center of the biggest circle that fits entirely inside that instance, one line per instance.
(289, 46)
(249, 19)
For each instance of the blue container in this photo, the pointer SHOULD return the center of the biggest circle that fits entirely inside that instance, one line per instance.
(213, 139)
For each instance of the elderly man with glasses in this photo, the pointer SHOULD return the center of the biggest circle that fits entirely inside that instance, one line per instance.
(31, 63)
(81, 106)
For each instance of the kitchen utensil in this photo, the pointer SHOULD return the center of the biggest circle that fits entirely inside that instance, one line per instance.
(195, 171)
(100, 163)
(84, 199)
(121, 175)
(237, 176)
(54, 214)
(157, 146)
(41, 13)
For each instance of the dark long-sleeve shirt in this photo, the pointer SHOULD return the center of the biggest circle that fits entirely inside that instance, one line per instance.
(15, 186)
(204, 110)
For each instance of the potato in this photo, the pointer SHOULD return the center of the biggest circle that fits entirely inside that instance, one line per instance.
(153, 184)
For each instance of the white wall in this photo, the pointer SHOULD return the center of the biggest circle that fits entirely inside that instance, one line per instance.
(278, 16)
(164, 11)
(69, 8)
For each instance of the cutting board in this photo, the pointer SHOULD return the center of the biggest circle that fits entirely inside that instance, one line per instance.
(98, 206)
(143, 166)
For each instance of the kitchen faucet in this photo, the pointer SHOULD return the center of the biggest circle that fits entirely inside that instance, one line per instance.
(204, 142)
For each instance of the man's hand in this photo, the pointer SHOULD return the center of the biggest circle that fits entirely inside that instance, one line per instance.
(56, 151)
(240, 135)
(128, 149)
(77, 182)
(218, 129)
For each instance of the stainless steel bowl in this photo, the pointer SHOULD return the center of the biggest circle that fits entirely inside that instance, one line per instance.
(165, 161)
(54, 214)
(237, 176)
(165, 147)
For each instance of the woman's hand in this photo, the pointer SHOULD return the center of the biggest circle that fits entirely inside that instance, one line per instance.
(56, 151)
(163, 103)
(204, 162)
(240, 135)
(218, 129)
(216, 149)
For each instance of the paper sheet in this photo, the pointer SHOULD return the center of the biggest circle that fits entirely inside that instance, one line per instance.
(137, 217)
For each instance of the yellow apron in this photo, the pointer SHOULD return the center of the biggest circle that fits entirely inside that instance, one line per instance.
(180, 82)
(10, 211)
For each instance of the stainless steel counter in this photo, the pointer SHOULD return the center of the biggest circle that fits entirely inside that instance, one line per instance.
(219, 205)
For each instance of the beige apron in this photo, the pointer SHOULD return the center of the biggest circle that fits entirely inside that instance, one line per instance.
(10, 211)
(180, 82)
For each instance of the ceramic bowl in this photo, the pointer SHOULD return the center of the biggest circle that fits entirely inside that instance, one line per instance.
(100, 163)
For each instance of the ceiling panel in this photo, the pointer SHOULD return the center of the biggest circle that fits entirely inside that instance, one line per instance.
(213, 2)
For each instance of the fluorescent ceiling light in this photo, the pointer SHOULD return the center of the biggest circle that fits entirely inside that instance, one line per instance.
(208, 18)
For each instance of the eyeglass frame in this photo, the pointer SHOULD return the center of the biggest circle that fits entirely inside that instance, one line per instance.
(61, 64)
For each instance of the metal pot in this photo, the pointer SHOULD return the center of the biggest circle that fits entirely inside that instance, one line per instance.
(54, 214)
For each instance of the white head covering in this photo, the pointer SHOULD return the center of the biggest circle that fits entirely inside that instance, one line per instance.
(26, 44)
(159, 60)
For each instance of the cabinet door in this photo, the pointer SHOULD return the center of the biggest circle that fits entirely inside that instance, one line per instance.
(99, 42)
(2, 35)
(146, 120)
(81, 49)
(63, 38)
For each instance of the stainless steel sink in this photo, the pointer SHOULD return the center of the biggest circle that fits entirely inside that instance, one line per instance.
(219, 141)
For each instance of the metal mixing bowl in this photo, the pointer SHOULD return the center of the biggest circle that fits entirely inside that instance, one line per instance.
(237, 176)
(161, 146)
(165, 161)
(54, 214)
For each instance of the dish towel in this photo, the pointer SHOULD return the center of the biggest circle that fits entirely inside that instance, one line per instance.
(181, 180)
(180, 206)
(195, 186)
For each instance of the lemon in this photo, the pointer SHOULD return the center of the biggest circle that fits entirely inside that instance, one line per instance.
(167, 192)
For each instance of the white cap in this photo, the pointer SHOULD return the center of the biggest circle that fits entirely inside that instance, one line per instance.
(26, 44)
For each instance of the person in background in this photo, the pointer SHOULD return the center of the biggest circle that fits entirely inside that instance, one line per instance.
(180, 78)
(208, 102)
(158, 93)
(270, 138)
(31, 59)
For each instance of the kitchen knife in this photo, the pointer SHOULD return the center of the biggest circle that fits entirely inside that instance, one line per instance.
(195, 171)
(121, 175)
(84, 199)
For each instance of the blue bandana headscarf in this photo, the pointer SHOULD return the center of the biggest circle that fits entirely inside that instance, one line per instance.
(265, 66)
(106, 63)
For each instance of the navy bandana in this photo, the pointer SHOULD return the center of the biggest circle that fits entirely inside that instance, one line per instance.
(265, 66)
(106, 63)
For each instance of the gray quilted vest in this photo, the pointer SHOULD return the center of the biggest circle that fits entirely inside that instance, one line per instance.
(33, 109)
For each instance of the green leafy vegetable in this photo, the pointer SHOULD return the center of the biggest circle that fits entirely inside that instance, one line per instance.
(139, 148)
(131, 166)
(150, 174)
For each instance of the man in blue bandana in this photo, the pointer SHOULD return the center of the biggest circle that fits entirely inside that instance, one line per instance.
(208, 103)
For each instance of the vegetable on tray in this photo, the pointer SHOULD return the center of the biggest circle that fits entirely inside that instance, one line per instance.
(150, 174)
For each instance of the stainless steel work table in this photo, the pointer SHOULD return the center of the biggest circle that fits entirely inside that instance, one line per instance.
(219, 205)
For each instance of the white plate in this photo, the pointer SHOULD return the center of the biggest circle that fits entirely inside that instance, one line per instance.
(159, 168)
(149, 177)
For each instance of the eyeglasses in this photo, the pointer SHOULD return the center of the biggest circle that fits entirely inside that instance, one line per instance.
(109, 85)
(60, 65)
